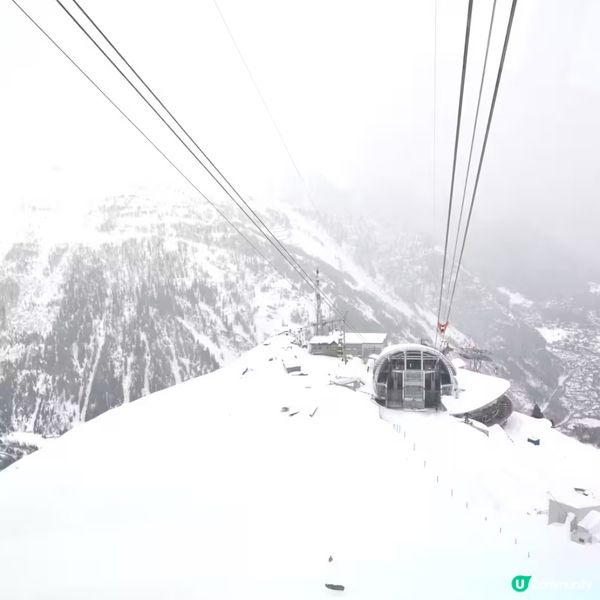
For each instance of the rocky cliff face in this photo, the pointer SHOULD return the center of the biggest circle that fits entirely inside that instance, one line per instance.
(147, 294)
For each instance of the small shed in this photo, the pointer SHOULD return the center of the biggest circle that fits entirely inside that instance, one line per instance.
(365, 344)
(329, 345)
(357, 344)
(587, 530)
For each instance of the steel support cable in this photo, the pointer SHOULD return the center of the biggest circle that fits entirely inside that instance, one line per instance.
(139, 130)
(464, 194)
(434, 150)
(153, 144)
(282, 250)
(485, 140)
(255, 218)
(457, 136)
(266, 107)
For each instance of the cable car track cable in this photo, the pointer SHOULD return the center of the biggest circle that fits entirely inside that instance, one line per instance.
(456, 139)
(253, 217)
(139, 130)
(483, 148)
(464, 194)
(155, 146)
(275, 242)
(266, 106)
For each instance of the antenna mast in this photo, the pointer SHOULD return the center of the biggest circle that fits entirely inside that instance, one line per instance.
(318, 308)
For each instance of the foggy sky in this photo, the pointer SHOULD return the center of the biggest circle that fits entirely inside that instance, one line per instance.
(351, 87)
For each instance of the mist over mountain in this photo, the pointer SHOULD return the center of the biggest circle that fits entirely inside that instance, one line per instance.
(142, 294)
(528, 257)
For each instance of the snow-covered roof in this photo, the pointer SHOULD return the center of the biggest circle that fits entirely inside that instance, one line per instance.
(591, 521)
(476, 390)
(459, 363)
(577, 500)
(396, 348)
(365, 338)
(332, 338)
(351, 338)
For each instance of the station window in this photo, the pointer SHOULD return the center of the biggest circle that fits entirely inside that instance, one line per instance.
(429, 363)
(398, 363)
(384, 372)
(414, 362)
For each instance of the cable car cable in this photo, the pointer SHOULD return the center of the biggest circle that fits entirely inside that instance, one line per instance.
(457, 136)
(483, 148)
(475, 123)
(266, 107)
(279, 247)
(282, 250)
(155, 146)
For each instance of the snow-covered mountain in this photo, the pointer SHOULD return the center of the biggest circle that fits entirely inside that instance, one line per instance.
(250, 482)
(143, 293)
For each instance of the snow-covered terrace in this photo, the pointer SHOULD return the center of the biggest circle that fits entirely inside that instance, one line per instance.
(475, 391)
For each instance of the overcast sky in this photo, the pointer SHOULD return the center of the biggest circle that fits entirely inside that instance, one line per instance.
(350, 84)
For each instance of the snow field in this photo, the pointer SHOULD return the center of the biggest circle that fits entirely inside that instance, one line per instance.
(209, 490)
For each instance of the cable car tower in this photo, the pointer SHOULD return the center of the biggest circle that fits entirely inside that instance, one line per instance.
(318, 318)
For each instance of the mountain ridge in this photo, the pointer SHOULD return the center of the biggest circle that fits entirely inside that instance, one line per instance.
(149, 293)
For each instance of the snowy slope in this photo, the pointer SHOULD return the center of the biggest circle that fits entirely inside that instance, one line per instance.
(209, 490)
(150, 296)
(142, 293)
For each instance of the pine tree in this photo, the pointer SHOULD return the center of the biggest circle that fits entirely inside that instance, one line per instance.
(537, 413)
